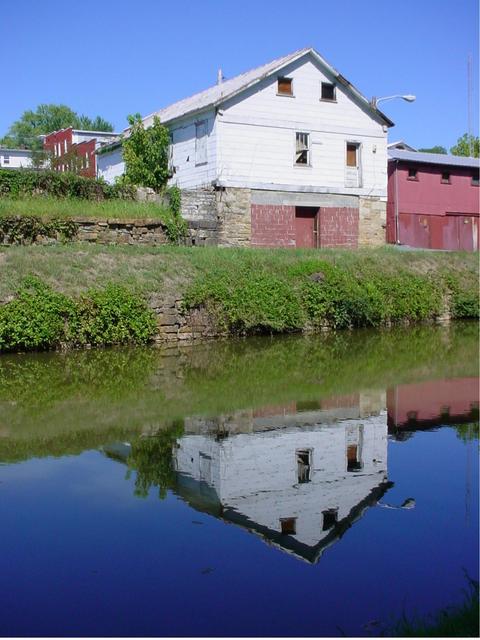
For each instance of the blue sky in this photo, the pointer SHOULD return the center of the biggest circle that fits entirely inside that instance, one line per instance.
(113, 58)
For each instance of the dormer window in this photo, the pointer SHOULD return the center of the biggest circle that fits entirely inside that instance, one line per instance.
(284, 86)
(328, 92)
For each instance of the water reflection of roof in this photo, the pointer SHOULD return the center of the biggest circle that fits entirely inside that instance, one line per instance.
(201, 497)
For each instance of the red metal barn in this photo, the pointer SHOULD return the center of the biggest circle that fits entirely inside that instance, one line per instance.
(433, 200)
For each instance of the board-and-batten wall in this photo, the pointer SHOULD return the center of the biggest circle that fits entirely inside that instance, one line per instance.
(256, 136)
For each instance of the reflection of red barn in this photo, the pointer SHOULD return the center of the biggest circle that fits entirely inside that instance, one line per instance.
(431, 403)
(433, 200)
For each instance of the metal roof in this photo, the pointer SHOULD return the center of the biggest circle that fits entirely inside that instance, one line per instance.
(229, 88)
(433, 158)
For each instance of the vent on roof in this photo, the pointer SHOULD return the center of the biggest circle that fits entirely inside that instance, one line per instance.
(220, 76)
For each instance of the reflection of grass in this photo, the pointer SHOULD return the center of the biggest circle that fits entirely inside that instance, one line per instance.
(48, 396)
(453, 622)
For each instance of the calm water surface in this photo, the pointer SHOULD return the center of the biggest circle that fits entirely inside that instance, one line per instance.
(293, 486)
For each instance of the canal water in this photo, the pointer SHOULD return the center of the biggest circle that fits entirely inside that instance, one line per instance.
(299, 486)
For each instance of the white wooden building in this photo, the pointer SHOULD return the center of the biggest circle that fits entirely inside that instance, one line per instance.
(15, 158)
(293, 153)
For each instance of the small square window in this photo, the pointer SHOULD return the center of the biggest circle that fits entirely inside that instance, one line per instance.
(6, 159)
(445, 177)
(328, 91)
(412, 174)
(288, 526)
(302, 148)
(284, 87)
(330, 519)
(475, 179)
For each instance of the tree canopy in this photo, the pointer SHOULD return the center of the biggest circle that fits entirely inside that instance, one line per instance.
(437, 149)
(467, 145)
(24, 132)
(146, 154)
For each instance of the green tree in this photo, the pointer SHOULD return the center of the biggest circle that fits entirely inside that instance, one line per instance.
(24, 132)
(437, 149)
(146, 154)
(467, 145)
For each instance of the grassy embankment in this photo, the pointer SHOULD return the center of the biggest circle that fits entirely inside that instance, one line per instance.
(242, 291)
(49, 207)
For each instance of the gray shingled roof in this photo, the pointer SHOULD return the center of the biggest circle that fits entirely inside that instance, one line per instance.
(433, 158)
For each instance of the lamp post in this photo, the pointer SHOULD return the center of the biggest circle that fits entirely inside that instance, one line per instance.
(407, 98)
(374, 102)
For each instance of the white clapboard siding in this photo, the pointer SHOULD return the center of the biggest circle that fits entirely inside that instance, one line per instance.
(194, 165)
(256, 473)
(256, 136)
(110, 165)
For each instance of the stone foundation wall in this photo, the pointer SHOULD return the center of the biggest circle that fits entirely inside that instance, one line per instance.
(372, 222)
(145, 232)
(234, 217)
(199, 204)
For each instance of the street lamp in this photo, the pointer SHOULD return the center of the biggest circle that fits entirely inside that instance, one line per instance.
(407, 98)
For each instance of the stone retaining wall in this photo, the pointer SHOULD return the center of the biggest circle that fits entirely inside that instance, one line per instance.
(174, 324)
(146, 232)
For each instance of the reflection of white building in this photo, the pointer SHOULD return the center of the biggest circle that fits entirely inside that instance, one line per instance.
(300, 487)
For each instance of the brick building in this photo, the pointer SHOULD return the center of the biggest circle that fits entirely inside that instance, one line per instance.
(74, 149)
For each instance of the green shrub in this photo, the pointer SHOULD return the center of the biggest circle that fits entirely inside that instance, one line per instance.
(112, 315)
(324, 294)
(26, 229)
(27, 182)
(464, 302)
(40, 318)
(35, 319)
(248, 302)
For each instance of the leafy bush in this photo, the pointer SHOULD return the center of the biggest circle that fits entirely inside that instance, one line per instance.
(317, 293)
(145, 152)
(35, 319)
(26, 229)
(248, 302)
(465, 300)
(113, 315)
(40, 318)
(27, 182)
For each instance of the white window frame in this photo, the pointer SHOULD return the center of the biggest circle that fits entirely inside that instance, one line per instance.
(358, 146)
(308, 150)
(6, 159)
(202, 159)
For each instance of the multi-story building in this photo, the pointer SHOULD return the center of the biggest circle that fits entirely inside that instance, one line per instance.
(74, 150)
(290, 154)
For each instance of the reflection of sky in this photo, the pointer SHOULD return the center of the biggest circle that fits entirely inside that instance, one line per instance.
(82, 555)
